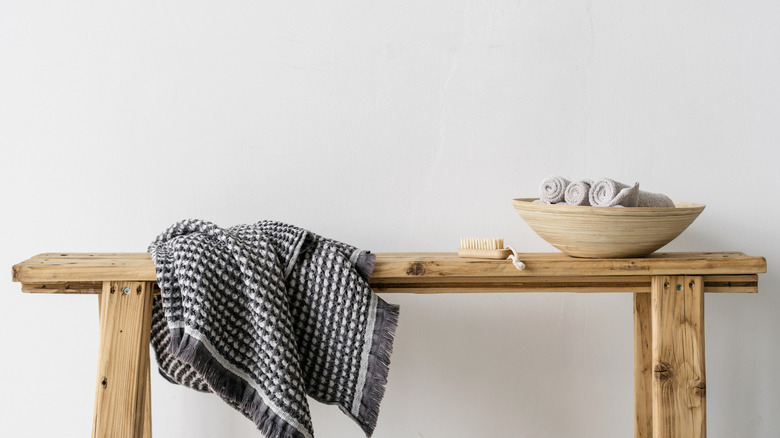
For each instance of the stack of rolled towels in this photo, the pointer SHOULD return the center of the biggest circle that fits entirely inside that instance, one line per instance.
(602, 193)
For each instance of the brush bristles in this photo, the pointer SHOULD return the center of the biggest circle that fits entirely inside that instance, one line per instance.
(481, 243)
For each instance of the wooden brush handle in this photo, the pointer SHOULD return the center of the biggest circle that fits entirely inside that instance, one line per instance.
(484, 253)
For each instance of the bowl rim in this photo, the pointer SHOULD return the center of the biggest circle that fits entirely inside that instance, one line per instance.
(680, 207)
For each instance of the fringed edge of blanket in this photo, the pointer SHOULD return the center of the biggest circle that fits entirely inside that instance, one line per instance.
(232, 386)
(378, 365)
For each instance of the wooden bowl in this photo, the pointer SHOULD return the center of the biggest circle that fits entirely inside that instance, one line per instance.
(607, 232)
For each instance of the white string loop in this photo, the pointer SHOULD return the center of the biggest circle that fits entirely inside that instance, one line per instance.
(515, 259)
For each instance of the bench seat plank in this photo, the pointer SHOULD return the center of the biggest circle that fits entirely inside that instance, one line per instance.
(732, 272)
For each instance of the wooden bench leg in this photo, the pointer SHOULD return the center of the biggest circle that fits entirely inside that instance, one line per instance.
(123, 394)
(679, 389)
(643, 375)
(147, 433)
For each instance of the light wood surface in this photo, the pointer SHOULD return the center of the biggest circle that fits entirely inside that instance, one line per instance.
(586, 231)
(147, 413)
(679, 383)
(430, 285)
(668, 324)
(435, 272)
(496, 254)
(643, 375)
(122, 393)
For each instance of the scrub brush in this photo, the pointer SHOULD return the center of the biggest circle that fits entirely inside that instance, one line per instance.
(484, 248)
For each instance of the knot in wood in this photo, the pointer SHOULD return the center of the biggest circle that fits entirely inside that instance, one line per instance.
(104, 382)
(662, 371)
(699, 388)
(415, 269)
(632, 266)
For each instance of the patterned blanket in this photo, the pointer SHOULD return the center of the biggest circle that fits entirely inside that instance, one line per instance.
(264, 315)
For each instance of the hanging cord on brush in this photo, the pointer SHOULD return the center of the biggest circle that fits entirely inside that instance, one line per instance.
(515, 259)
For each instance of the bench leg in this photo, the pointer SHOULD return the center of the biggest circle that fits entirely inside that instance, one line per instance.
(123, 394)
(679, 389)
(147, 433)
(643, 375)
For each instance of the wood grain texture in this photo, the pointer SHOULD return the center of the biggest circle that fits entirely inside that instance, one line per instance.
(679, 383)
(634, 284)
(147, 415)
(585, 231)
(72, 268)
(496, 254)
(422, 265)
(643, 375)
(595, 284)
(122, 393)
(70, 287)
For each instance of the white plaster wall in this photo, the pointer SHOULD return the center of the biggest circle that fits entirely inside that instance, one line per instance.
(395, 126)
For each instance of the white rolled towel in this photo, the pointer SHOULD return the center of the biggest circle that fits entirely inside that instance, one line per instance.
(610, 193)
(578, 193)
(552, 190)
(647, 199)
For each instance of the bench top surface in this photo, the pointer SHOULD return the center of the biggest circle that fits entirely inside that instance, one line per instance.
(406, 267)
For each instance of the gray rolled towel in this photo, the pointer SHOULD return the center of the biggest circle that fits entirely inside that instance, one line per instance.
(610, 193)
(647, 199)
(578, 193)
(552, 190)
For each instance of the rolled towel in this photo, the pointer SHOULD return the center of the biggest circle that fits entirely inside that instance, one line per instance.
(610, 193)
(647, 199)
(578, 193)
(552, 190)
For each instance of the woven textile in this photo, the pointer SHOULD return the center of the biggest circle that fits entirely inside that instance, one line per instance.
(265, 314)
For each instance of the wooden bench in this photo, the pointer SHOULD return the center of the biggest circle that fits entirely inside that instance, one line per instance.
(669, 370)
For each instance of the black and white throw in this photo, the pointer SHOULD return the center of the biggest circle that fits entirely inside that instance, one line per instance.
(268, 313)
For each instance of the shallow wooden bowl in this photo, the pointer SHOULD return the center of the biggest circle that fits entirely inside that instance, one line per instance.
(607, 232)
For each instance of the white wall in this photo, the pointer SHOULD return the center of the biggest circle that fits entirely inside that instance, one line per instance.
(395, 126)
